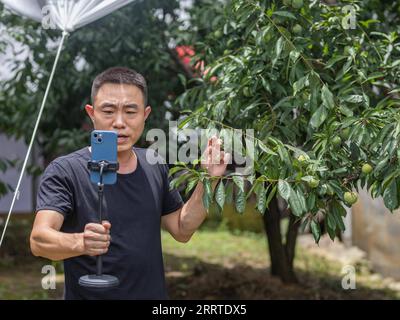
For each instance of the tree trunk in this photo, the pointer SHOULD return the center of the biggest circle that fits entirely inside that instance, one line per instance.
(291, 237)
(282, 255)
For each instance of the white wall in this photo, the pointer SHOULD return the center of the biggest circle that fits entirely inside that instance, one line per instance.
(12, 149)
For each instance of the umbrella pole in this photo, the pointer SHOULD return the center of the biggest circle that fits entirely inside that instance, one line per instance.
(16, 193)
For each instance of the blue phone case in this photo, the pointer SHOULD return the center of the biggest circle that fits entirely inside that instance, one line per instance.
(104, 147)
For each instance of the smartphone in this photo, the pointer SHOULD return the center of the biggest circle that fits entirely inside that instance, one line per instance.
(104, 147)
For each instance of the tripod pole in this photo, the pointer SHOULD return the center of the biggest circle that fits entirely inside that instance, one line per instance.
(99, 280)
(99, 261)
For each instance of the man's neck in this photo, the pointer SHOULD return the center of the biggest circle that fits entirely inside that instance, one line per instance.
(126, 156)
(127, 161)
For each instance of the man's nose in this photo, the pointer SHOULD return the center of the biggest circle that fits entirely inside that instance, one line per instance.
(119, 121)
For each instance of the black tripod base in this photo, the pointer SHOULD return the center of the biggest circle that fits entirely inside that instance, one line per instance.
(95, 281)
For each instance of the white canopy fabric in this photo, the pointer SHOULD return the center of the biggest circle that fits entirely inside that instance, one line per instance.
(66, 15)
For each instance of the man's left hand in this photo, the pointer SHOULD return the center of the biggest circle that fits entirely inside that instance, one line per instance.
(214, 159)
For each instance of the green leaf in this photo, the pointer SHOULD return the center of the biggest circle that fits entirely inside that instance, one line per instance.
(284, 155)
(185, 121)
(389, 178)
(261, 194)
(390, 196)
(334, 60)
(294, 55)
(295, 203)
(319, 117)
(336, 211)
(229, 192)
(279, 47)
(192, 183)
(239, 181)
(307, 178)
(261, 34)
(176, 182)
(220, 194)
(176, 169)
(316, 231)
(253, 188)
(302, 199)
(214, 69)
(264, 148)
(331, 232)
(207, 194)
(327, 97)
(354, 99)
(284, 189)
(219, 111)
(278, 50)
(285, 14)
(311, 201)
(331, 222)
(182, 78)
(382, 164)
(346, 111)
(240, 201)
(238, 61)
(250, 179)
(299, 84)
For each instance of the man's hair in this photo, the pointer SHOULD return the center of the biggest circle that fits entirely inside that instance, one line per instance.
(120, 75)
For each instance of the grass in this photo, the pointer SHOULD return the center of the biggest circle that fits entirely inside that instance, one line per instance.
(220, 247)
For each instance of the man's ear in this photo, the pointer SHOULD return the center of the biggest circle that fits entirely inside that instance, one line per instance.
(147, 111)
(90, 111)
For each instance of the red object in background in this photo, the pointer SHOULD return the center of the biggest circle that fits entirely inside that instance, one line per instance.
(185, 53)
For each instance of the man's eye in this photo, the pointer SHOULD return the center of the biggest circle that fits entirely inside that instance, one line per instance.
(108, 112)
(131, 112)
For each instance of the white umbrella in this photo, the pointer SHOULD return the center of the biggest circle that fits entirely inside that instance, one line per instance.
(66, 15)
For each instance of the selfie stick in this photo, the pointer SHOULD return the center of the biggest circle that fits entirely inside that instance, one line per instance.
(100, 280)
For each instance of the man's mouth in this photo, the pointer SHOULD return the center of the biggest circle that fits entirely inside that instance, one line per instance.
(122, 138)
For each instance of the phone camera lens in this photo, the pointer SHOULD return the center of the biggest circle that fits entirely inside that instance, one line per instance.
(99, 139)
(95, 135)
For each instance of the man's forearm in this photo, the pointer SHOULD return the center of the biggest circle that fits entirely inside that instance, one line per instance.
(193, 212)
(56, 245)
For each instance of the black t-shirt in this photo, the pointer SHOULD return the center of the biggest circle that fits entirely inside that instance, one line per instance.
(134, 208)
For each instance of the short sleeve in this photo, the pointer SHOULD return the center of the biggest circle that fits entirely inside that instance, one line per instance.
(55, 190)
(172, 200)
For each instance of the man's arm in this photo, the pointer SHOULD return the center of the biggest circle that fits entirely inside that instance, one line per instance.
(182, 223)
(47, 241)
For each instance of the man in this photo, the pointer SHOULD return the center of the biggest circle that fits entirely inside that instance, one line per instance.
(130, 238)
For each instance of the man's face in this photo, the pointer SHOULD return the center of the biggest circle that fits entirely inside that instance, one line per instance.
(120, 107)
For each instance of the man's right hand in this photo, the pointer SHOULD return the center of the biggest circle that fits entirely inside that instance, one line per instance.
(96, 238)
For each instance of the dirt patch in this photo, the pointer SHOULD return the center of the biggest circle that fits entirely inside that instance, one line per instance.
(208, 281)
